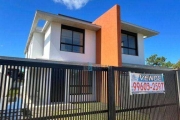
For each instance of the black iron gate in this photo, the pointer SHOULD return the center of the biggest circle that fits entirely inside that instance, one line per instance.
(155, 106)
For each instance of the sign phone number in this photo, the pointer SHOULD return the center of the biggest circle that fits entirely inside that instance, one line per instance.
(146, 83)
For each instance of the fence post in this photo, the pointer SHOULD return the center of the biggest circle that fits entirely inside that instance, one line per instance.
(178, 91)
(111, 94)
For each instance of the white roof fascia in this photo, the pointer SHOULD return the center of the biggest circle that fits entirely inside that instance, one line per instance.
(138, 29)
(58, 18)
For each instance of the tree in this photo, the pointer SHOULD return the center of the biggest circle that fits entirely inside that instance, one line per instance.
(177, 65)
(155, 60)
(168, 64)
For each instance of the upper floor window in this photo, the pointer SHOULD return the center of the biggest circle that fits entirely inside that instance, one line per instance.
(129, 43)
(72, 39)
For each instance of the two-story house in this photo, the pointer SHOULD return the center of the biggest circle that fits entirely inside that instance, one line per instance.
(105, 41)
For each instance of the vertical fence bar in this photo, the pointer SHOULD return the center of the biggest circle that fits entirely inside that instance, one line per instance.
(20, 99)
(26, 91)
(105, 86)
(31, 84)
(9, 94)
(48, 97)
(111, 94)
(44, 89)
(178, 91)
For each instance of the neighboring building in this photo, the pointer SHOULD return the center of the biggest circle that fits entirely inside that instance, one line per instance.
(106, 41)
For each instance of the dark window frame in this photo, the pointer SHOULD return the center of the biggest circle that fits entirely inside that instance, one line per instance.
(136, 42)
(81, 86)
(73, 29)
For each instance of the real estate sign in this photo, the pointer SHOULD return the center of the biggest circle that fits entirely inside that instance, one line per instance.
(146, 83)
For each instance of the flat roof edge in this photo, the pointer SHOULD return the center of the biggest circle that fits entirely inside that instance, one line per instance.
(39, 14)
(152, 32)
(60, 16)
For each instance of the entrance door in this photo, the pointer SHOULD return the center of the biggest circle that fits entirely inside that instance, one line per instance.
(57, 85)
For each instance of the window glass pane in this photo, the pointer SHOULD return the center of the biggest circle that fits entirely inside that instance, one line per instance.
(86, 90)
(86, 80)
(65, 47)
(66, 40)
(74, 78)
(90, 78)
(77, 49)
(129, 43)
(77, 38)
(132, 43)
(72, 40)
(75, 90)
(124, 50)
(124, 40)
(77, 86)
(66, 36)
(132, 52)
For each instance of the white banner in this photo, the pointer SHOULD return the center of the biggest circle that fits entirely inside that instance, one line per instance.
(146, 83)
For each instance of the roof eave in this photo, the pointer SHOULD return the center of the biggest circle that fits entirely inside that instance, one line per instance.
(138, 29)
(31, 31)
(58, 18)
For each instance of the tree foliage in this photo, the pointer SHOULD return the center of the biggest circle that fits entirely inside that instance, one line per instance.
(177, 65)
(168, 64)
(155, 60)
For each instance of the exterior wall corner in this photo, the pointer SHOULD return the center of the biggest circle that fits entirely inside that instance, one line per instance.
(108, 38)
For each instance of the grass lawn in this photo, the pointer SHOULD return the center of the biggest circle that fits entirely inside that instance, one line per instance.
(86, 107)
(12, 92)
(132, 115)
(94, 108)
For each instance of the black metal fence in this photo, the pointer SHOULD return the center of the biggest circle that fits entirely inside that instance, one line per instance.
(157, 106)
(39, 89)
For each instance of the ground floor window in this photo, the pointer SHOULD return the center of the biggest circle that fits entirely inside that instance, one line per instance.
(80, 82)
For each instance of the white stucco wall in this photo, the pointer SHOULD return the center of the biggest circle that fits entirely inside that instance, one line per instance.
(90, 47)
(37, 48)
(131, 59)
(47, 46)
(47, 38)
(29, 52)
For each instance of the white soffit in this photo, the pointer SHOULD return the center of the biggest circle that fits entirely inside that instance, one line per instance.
(137, 29)
(65, 20)
(58, 18)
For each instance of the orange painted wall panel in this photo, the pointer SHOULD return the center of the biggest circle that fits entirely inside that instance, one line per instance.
(108, 38)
